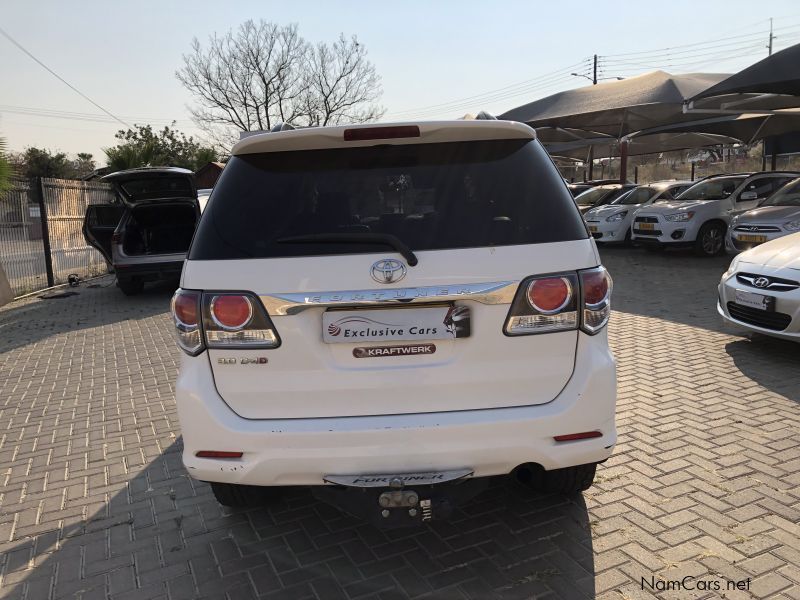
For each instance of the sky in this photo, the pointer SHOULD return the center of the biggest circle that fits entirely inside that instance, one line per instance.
(436, 59)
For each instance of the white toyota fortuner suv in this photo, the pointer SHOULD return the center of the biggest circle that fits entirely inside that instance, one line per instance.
(393, 310)
(700, 216)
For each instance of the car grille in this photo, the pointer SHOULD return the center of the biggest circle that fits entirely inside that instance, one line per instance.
(646, 219)
(654, 232)
(757, 228)
(775, 284)
(773, 321)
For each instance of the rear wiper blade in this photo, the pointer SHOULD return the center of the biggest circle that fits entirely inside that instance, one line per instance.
(385, 239)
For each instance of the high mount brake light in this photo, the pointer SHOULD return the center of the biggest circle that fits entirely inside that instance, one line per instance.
(381, 133)
(561, 302)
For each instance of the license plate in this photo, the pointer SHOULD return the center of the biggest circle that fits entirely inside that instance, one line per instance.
(646, 226)
(758, 239)
(759, 301)
(444, 322)
(593, 228)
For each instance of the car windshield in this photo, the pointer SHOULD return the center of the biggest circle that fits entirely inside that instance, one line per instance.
(594, 195)
(711, 189)
(788, 195)
(639, 195)
(352, 200)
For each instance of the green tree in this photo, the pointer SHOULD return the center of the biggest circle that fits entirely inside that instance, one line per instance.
(141, 146)
(5, 169)
(39, 162)
(84, 164)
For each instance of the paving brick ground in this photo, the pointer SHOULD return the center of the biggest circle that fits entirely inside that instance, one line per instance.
(94, 502)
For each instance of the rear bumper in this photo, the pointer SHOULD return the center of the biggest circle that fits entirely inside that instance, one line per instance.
(150, 271)
(489, 442)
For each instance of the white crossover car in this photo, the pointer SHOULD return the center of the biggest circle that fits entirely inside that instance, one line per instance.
(392, 313)
(775, 217)
(700, 216)
(612, 222)
(761, 289)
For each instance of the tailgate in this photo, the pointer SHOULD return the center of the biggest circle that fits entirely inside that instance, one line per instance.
(397, 358)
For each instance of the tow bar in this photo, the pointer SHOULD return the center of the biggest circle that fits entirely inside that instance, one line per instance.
(388, 502)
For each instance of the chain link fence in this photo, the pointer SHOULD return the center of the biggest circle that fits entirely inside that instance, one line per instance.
(41, 237)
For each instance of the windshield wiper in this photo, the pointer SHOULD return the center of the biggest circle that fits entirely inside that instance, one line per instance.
(384, 239)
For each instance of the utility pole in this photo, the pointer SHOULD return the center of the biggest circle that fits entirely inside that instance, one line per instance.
(591, 148)
(764, 141)
(594, 64)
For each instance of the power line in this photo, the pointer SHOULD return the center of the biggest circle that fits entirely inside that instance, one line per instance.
(61, 79)
(479, 97)
(79, 116)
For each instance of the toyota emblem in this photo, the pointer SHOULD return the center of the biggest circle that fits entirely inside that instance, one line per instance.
(761, 282)
(387, 270)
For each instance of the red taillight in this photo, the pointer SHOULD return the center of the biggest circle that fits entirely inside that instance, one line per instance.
(595, 286)
(550, 295)
(218, 454)
(231, 311)
(381, 133)
(184, 307)
(571, 437)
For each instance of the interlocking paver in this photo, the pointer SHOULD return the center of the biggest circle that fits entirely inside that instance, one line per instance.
(94, 502)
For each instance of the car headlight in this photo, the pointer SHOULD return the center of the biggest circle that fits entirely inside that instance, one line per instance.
(732, 268)
(792, 226)
(681, 216)
(617, 216)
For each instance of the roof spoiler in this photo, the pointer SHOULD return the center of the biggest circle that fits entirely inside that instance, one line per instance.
(275, 129)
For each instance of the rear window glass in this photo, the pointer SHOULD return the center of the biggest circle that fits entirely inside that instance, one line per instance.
(430, 196)
(157, 187)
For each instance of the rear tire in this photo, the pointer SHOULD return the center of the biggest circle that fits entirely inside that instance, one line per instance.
(569, 481)
(229, 494)
(130, 287)
(710, 240)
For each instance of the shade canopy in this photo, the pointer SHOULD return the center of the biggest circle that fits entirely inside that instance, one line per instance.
(747, 128)
(618, 108)
(605, 147)
(770, 84)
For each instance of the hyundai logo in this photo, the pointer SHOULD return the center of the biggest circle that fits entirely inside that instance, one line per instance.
(761, 282)
(387, 270)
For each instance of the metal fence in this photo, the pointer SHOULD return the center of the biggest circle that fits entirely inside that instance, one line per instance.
(41, 238)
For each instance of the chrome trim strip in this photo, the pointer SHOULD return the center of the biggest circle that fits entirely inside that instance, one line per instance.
(495, 292)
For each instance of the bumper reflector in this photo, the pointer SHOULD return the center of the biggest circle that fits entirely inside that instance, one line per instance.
(571, 437)
(218, 454)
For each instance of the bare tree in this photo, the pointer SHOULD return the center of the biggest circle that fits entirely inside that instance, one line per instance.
(261, 73)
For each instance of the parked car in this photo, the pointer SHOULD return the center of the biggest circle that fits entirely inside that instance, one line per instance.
(600, 195)
(761, 289)
(699, 217)
(612, 222)
(375, 309)
(145, 236)
(775, 217)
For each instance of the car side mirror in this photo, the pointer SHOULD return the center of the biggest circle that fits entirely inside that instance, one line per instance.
(748, 196)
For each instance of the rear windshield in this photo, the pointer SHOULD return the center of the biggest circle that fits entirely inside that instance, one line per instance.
(157, 187)
(430, 196)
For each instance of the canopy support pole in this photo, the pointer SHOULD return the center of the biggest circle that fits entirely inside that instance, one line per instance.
(591, 162)
(623, 160)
